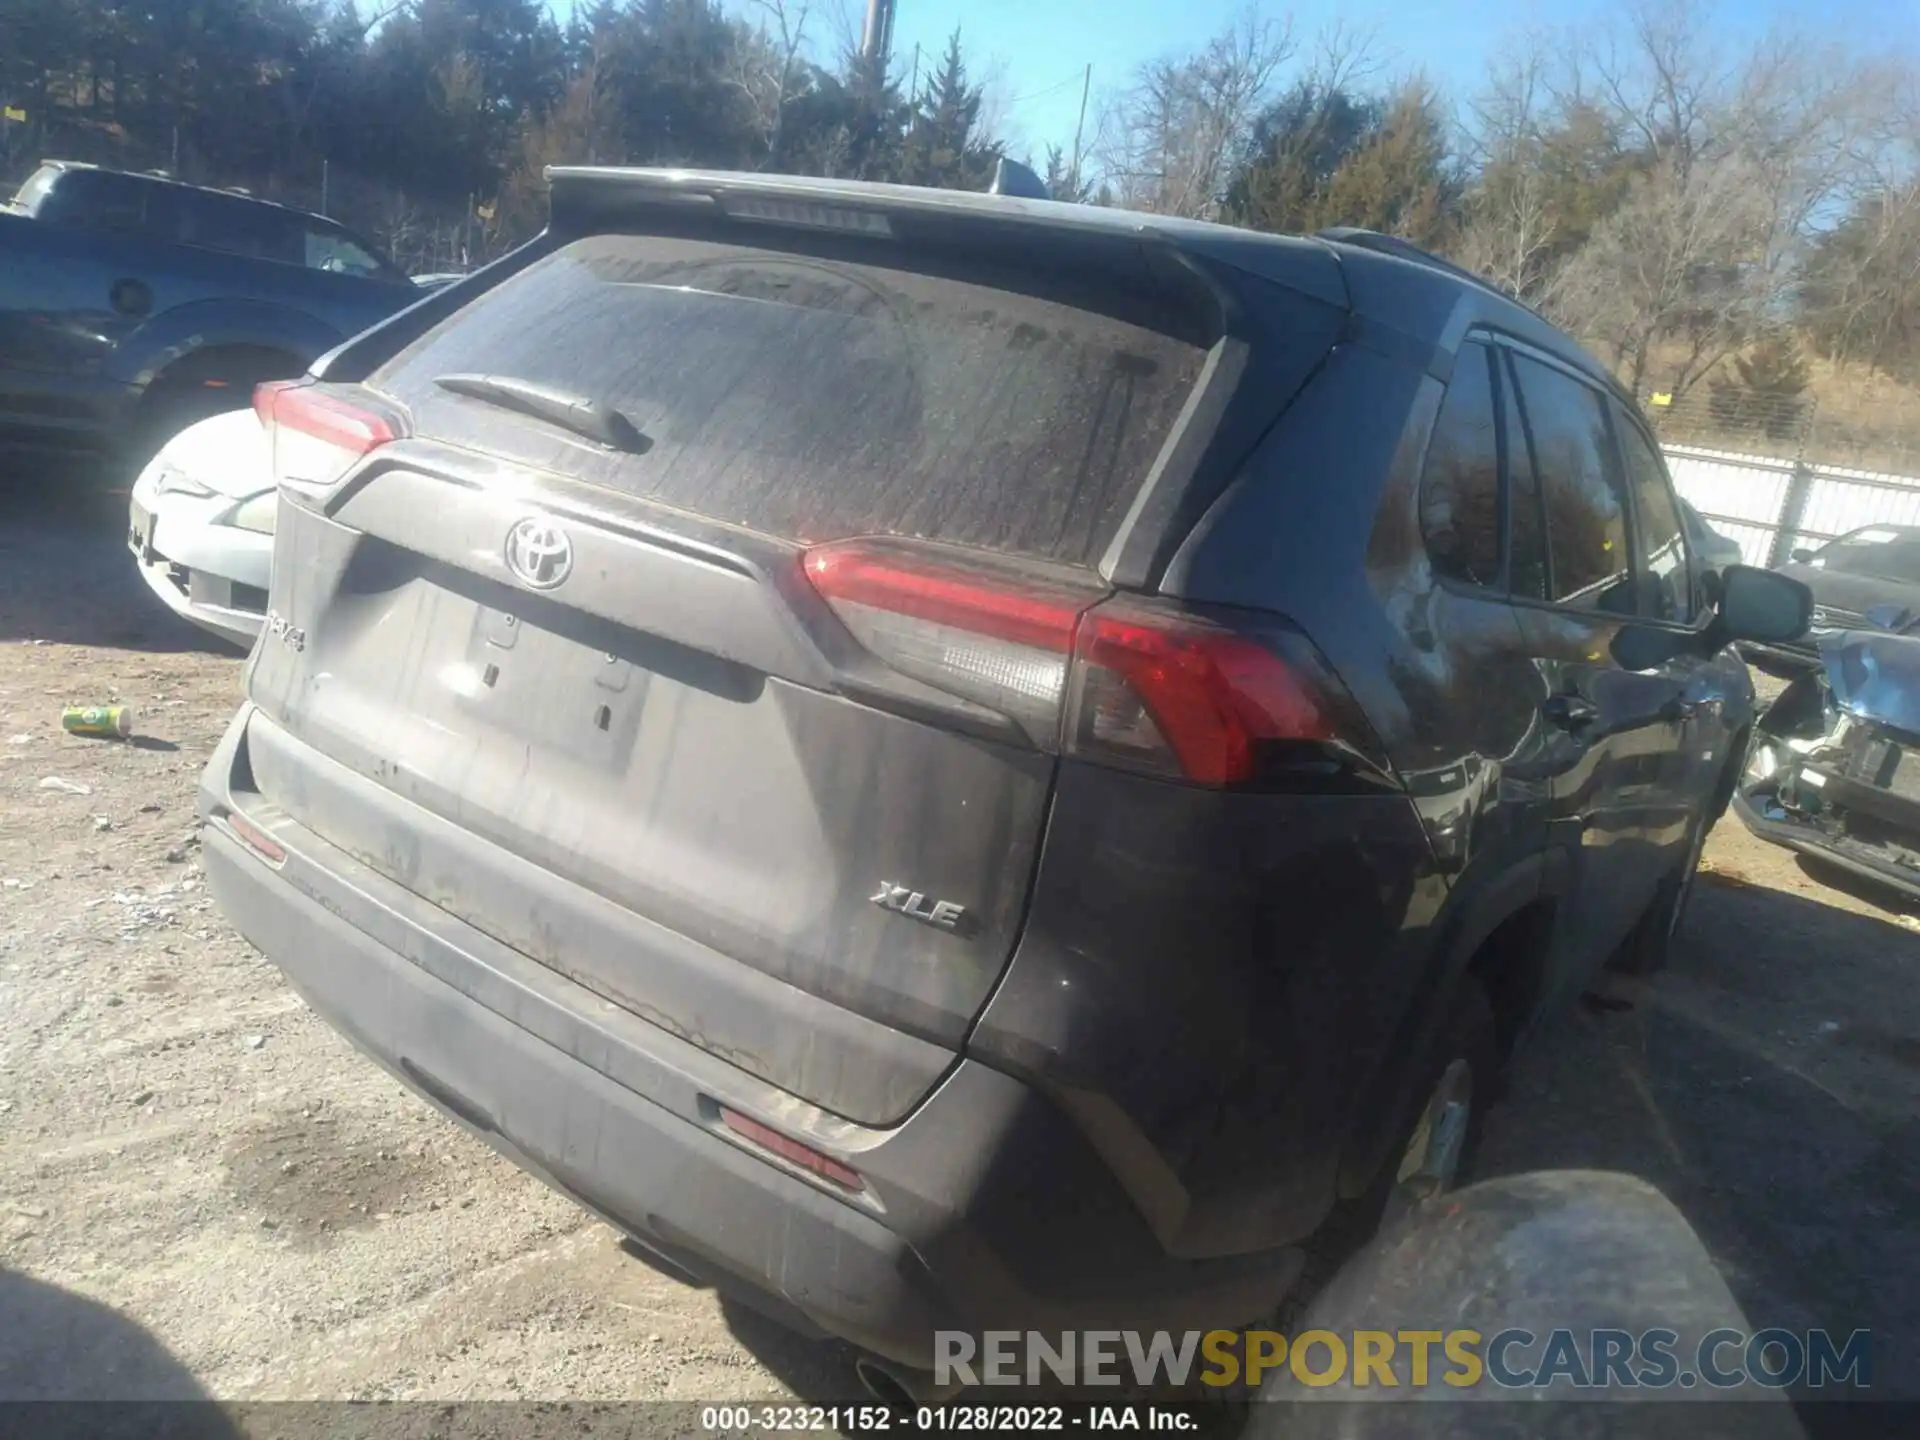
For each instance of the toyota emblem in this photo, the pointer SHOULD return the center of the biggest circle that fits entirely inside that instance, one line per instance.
(539, 553)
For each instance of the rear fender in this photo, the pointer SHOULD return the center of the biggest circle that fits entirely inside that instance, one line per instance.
(209, 325)
(1477, 907)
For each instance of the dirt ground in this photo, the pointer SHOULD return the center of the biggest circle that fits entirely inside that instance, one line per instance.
(204, 1191)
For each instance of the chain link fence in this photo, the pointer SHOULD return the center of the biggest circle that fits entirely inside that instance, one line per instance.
(1775, 473)
(1867, 423)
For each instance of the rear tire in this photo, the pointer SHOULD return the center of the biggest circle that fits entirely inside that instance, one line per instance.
(1435, 1149)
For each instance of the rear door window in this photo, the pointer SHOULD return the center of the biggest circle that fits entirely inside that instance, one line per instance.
(816, 398)
(1666, 585)
(1460, 486)
(332, 249)
(1527, 575)
(1580, 487)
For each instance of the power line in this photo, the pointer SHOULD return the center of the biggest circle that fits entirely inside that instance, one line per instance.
(1073, 79)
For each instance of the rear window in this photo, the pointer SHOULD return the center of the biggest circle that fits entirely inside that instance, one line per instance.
(817, 398)
(38, 185)
(97, 200)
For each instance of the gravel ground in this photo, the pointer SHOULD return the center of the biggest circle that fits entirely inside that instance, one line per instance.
(204, 1191)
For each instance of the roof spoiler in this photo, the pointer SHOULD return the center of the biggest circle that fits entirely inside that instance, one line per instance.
(582, 194)
(1010, 177)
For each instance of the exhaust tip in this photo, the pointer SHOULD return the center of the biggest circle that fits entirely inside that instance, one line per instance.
(884, 1385)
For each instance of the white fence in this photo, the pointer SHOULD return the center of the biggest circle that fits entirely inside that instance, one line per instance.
(1770, 506)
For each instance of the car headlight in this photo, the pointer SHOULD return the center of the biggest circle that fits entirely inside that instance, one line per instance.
(174, 481)
(256, 514)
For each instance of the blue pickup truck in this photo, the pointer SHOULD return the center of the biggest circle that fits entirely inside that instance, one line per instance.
(132, 305)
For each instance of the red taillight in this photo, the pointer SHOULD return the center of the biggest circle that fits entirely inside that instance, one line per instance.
(1120, 681)
(791, 1151)
(999, 639)
(315, 436)
(1154, 689)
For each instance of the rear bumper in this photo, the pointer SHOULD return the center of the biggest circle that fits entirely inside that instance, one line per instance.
(1853, 856)
(985, 1209)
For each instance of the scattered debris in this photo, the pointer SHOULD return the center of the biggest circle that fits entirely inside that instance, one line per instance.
(113, 1001)
(176, 855)
(32, 1212)
(254, 1042)
(25, 737)
(65, 787)
(143, 1097)
(102, 824)
(266, 1223)
(152, 807)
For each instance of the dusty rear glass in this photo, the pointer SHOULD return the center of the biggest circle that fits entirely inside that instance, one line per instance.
(817, 398)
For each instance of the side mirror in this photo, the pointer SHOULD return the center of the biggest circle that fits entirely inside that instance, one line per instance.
(1800, 555)
(1762, 605)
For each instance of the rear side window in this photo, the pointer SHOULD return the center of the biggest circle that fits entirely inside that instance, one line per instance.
(1460, 487)
(239, 227)
(1663, 546)
(817, 398)
(1586, 513)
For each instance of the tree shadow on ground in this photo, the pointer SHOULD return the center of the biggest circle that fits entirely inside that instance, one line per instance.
(1769, 1085)
(72, 1367)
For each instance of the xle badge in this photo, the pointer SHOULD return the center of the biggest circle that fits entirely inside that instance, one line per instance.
(941, 914)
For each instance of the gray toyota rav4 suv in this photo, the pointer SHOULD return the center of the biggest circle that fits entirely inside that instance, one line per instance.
(951, 762)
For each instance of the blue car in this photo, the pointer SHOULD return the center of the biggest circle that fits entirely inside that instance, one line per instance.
(133, 305)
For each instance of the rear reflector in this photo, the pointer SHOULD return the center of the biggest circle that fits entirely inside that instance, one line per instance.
(315, 435)
(1126, 682)
(257, 839)
(791, 1151)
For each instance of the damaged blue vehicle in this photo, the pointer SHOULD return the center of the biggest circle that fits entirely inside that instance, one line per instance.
(1834, 769)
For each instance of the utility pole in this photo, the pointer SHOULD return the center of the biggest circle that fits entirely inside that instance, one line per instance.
(876, 40)
(1086, 84)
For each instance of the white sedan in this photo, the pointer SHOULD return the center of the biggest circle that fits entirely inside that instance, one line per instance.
(201, 525)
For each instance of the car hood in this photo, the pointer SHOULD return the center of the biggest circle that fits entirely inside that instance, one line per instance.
(1875, 676)
(1858, 593)
(228, 454)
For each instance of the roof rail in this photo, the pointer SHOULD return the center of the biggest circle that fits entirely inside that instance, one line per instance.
(1406, 250)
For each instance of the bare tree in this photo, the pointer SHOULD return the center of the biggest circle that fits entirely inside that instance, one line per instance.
(1169, 140)
(766, 67)
(1676, 235)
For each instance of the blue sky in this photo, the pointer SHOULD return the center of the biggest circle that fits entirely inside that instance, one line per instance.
(1037, 48)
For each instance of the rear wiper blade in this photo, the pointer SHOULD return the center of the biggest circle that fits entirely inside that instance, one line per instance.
(581, 414)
